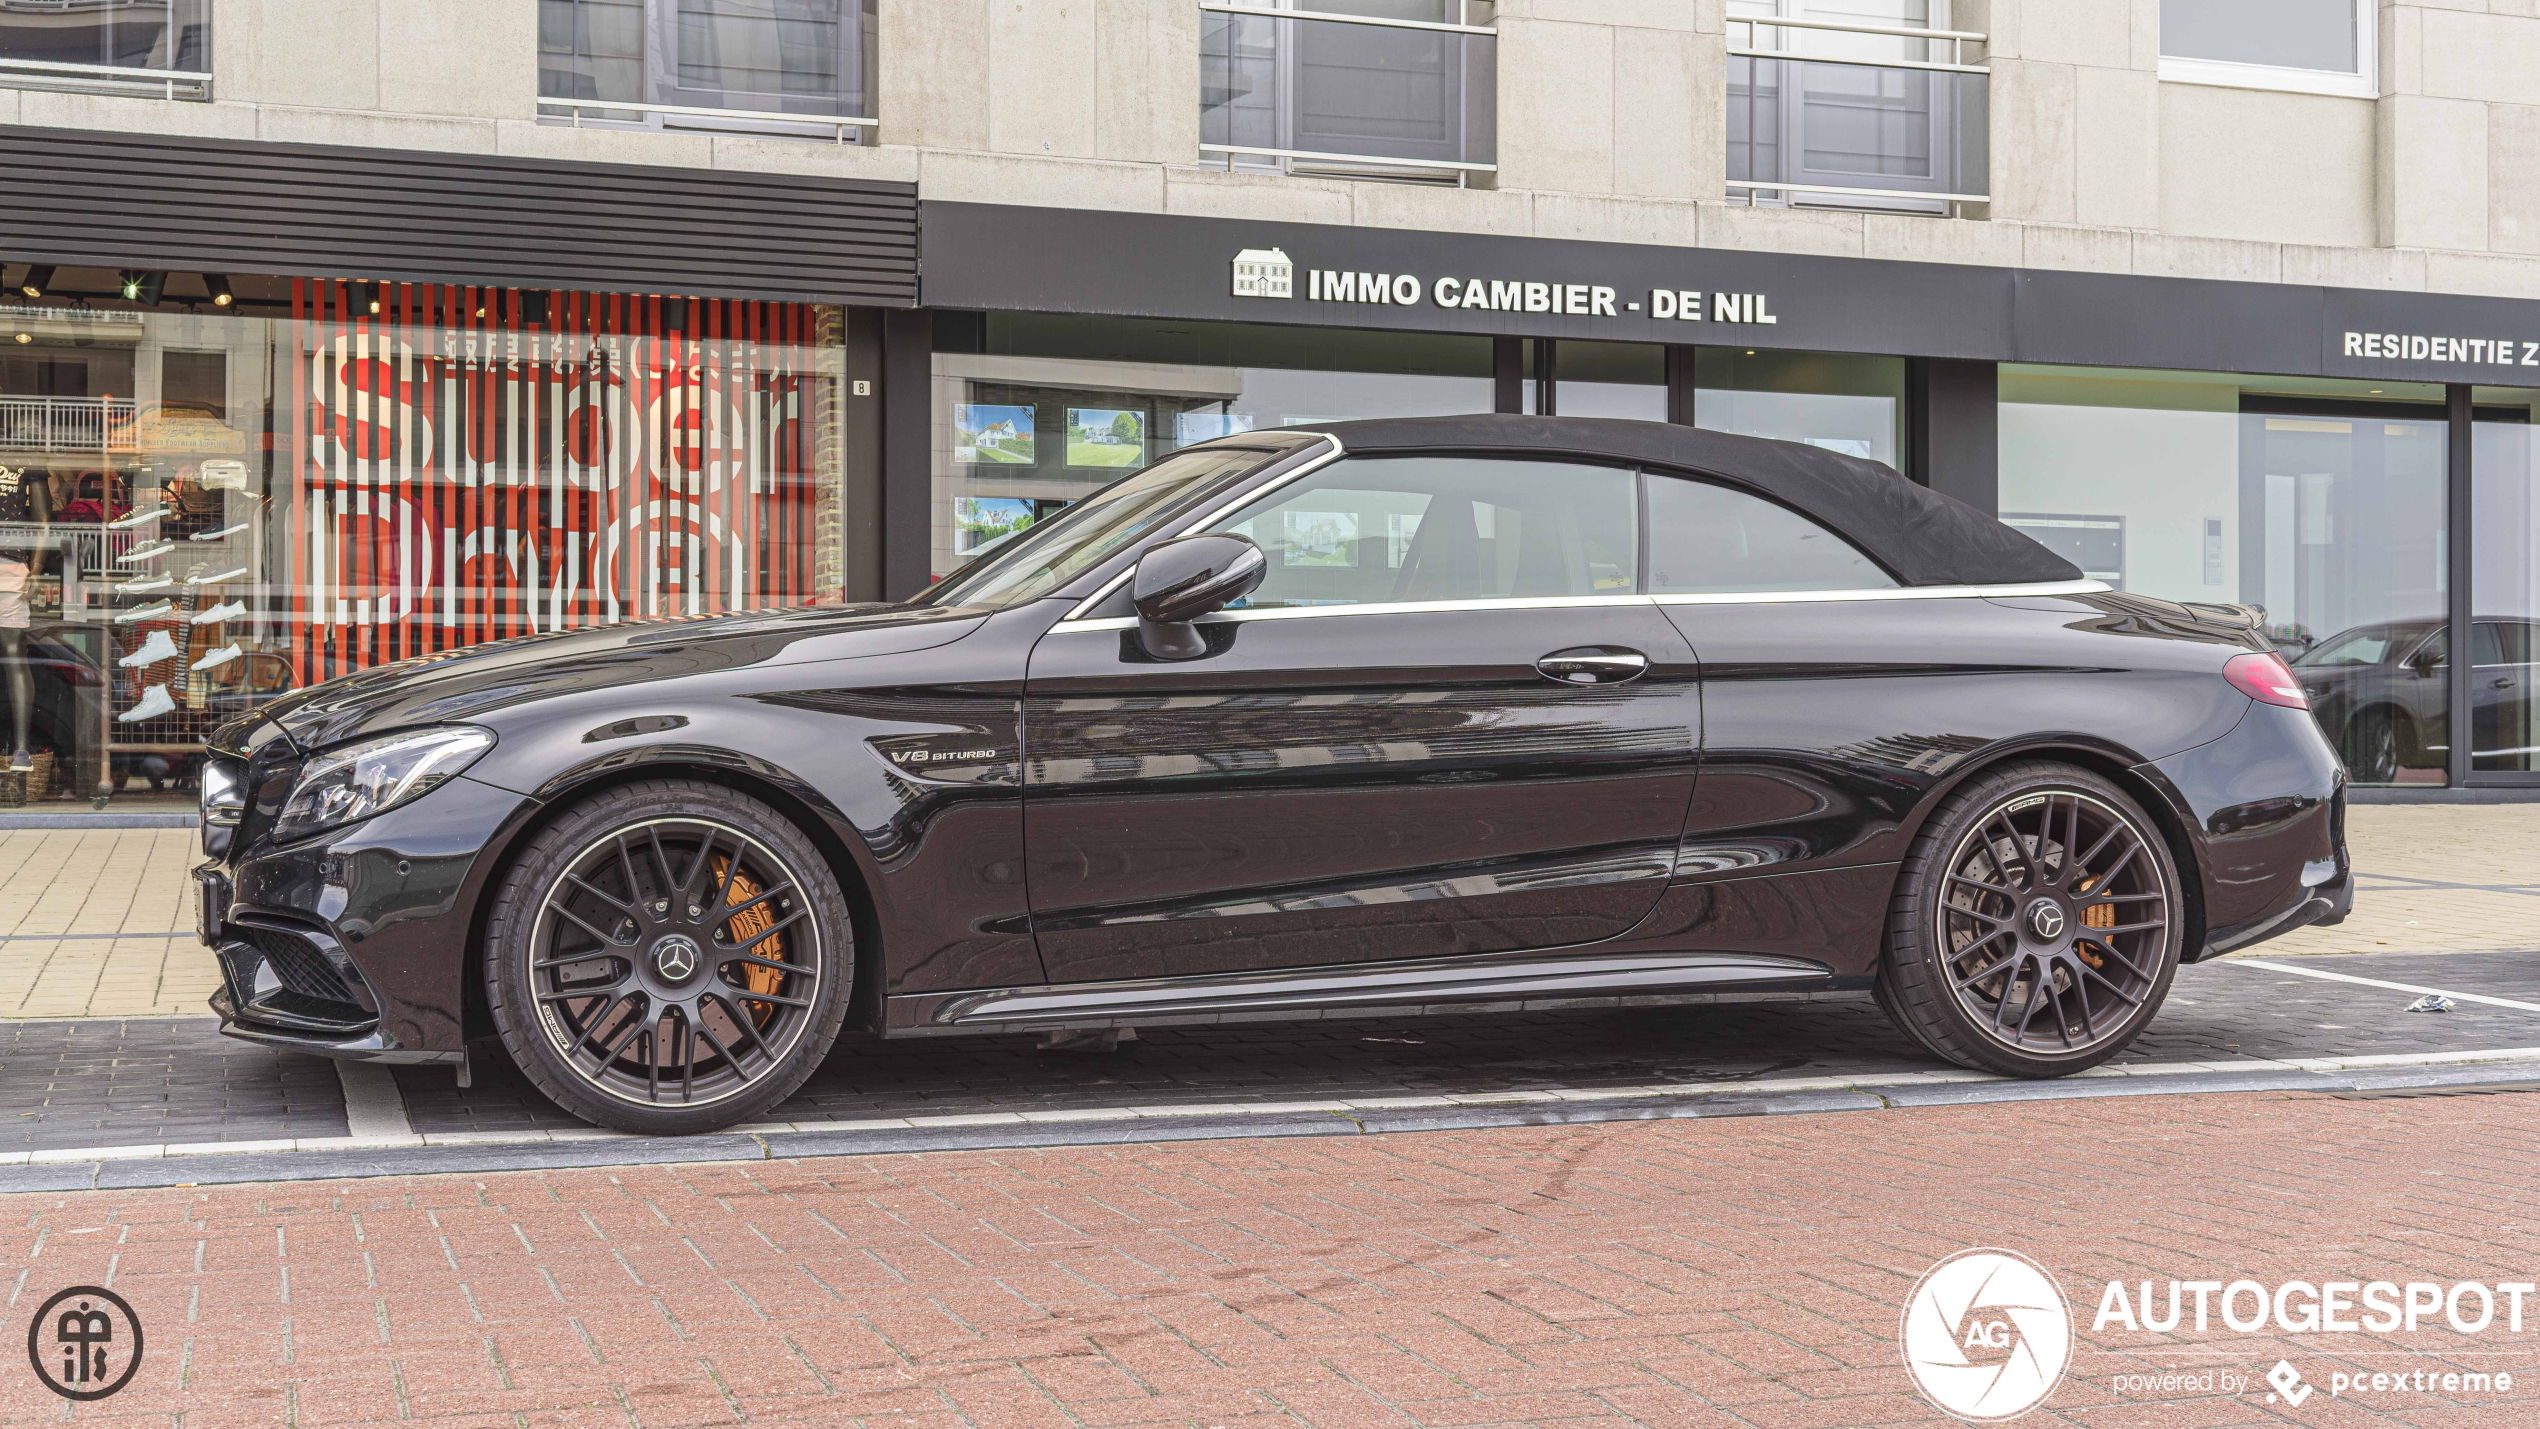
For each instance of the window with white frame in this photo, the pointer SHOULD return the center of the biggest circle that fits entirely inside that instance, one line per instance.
(765, 66)
(2311, 46)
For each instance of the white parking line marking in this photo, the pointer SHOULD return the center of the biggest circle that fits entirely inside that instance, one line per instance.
(2376, 982)
(771, 1134)
(372, 1105)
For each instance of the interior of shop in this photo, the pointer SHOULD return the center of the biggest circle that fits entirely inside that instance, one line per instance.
(215, 489)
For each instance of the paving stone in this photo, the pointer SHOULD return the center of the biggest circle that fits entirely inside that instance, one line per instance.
(102, 1082)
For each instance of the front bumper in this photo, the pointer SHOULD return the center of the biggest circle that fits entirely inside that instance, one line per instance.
(356, 945)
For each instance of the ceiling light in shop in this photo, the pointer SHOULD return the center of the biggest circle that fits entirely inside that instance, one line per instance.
(136, 286)
(218, 286)
(367, 295)
(37, 279)
(26, 337)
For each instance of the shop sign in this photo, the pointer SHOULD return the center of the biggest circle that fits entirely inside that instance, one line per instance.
(1270, 273)
(2422, 347)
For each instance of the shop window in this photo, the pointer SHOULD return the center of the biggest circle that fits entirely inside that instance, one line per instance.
(2321, 500)
(1838, 401)
(802, 67)
(2315, 46)
(1033, 412)
(1611, 379)
(149, 48)
(219, 506)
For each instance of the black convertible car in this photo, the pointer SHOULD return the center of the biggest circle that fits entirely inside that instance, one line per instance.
(1394, 716)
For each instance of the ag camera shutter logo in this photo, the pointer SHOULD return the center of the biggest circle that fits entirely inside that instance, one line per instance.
(1987, 1335)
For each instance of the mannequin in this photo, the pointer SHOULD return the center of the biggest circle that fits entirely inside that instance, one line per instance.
(25, 499)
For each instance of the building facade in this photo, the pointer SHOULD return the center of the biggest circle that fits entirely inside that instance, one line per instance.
(339, 332)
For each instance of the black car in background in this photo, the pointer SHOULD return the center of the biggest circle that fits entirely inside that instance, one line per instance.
(1391, 717)
(2381, 693)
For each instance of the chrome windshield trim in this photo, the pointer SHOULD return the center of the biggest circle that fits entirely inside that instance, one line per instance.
(1567, 602)
(1909, 592)
(1102, 593)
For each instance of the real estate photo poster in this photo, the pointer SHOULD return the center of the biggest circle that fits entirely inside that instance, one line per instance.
(1106, 436)
(991, 434)
(981, 521)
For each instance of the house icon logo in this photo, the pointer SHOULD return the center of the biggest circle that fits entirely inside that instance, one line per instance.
(1264, 273)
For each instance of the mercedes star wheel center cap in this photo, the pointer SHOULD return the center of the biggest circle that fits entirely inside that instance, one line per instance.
(2046, 919)
(675, 957)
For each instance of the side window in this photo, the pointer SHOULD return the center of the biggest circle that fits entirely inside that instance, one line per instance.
(1706, 539)
(1372, 530)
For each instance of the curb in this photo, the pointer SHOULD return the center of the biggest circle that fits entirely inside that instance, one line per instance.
(87, 819)
(343, 1157)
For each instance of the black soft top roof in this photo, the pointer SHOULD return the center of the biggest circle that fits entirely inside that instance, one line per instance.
(1921, 536)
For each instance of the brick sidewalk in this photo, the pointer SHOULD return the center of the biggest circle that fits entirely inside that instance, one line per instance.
(2448, 878)
(1671, 1273)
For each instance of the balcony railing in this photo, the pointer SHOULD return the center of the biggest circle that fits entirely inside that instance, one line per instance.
(66, 424)
(1364, 95)
(1855, 120)
(158, 49)
(690, 116)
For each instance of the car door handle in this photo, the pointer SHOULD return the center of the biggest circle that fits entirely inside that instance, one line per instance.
(1593, 665)
(2500, 684)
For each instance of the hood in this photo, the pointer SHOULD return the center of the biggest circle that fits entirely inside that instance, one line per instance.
(474, 683)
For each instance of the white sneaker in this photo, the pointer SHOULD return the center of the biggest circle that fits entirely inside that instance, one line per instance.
(216, 535)
(227, 610)
(217, 658)
(21, 763)
(156, 610)
(137, 518)
(217, 577)
(145, 553)
(155, 701)
(158, 647)
(153, 583)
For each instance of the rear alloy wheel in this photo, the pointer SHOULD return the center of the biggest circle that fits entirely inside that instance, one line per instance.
(669, 957)
(2036, 925)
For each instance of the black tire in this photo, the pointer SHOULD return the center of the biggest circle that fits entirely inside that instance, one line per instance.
(2038, 891)
(670, 957)
(2372, 747)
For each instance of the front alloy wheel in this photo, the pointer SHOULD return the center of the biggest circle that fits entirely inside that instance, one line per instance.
(2037, 925)
(671, 960)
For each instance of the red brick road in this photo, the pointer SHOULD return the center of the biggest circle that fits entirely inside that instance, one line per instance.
(1666, 1273)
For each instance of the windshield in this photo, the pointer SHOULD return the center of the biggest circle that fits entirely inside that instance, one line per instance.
(2366, 646)
(1048, 555)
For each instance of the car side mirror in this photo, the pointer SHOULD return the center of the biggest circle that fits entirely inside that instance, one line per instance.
(1180, 581)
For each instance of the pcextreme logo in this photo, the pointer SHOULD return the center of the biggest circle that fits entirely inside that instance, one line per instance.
(1986, 1335)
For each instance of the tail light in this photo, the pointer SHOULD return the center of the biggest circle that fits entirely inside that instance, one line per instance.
(2264, 677)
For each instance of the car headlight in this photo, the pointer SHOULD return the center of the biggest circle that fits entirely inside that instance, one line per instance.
(359, 780)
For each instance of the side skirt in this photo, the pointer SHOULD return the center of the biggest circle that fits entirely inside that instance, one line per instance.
(1392, 989)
